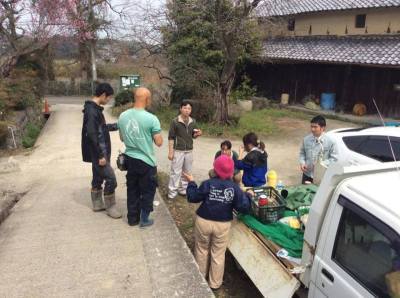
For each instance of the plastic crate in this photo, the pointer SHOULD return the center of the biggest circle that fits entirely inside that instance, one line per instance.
(268, 214)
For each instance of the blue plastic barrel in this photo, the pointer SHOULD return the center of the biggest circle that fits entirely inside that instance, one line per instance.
(328, 101)
(392, 123)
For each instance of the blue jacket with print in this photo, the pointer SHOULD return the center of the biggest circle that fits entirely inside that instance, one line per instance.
(218, 199)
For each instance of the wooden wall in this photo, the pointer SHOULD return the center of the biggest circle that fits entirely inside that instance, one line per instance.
(352, 84)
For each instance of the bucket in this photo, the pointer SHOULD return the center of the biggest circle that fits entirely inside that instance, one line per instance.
(328, 101)
(246, 105)
(285, 99)
(272, 178)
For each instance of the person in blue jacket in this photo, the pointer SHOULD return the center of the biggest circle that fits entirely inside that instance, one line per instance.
(218, 196)
(254, 164)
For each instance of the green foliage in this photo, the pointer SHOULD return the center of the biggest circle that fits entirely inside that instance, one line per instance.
(116, 111)
(32, 132)
(203, 36)
(25, 101)
(123, 97)
(20, 90)
(165, 115)
(243, 91)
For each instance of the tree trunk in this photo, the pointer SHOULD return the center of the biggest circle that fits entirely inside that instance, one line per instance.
(92, 43)
(7, 66)
(84, 61)
(224, 89)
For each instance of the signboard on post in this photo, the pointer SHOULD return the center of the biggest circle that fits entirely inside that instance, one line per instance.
(129, 81)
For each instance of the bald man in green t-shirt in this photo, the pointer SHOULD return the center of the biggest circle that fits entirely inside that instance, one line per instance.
(139, 129)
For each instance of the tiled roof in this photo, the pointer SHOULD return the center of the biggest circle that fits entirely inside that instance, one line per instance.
(376, 50)
(291, 7)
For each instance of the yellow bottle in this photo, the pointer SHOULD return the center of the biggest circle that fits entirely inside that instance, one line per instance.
(272, 178)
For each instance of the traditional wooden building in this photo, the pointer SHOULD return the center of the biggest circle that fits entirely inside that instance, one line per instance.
(347, 47)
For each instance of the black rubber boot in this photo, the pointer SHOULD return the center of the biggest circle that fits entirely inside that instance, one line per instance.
(134, 221)
(145, 221)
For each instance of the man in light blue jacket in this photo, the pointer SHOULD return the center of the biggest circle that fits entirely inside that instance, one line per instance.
(316, 147)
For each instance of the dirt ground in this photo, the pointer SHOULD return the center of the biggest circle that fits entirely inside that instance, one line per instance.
(283, 150)
(283, 157)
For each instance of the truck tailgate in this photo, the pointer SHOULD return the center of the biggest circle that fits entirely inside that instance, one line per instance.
(268, 274)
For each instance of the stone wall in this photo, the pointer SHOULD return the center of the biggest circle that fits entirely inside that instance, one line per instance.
(18, 120)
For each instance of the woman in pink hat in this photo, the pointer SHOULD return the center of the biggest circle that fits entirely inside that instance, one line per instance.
(218, 197)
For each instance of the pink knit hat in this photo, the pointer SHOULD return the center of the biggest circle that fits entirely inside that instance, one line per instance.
(224, 167)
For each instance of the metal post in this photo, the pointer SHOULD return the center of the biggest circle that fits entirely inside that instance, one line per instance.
(13, 136)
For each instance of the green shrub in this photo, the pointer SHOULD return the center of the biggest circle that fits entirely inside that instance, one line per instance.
(202, 110)
(123, 97)
(28, 142)
(32, 132)
(24, 102)
(243, 91)
(165, 115)
(116, 111)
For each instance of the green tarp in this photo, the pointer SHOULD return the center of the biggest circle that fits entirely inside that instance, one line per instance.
(301, 195)
(279, 233)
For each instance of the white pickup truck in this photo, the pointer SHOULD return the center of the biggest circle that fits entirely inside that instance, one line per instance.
(351, 243)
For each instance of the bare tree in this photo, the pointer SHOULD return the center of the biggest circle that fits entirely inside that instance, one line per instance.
(19, 39)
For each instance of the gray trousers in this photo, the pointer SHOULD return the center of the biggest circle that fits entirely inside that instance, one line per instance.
(182, 161)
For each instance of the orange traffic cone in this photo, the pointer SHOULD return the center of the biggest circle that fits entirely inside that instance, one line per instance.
(46, 109)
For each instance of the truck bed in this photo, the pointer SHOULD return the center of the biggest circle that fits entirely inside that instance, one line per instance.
(257, 256)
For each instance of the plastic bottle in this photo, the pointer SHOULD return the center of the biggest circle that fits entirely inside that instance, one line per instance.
(272, 177)
(279, 186)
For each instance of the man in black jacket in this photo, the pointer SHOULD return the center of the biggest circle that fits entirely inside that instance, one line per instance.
(96, 149)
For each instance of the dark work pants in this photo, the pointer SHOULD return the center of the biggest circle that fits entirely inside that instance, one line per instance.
(101, 174)
(141, 182)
